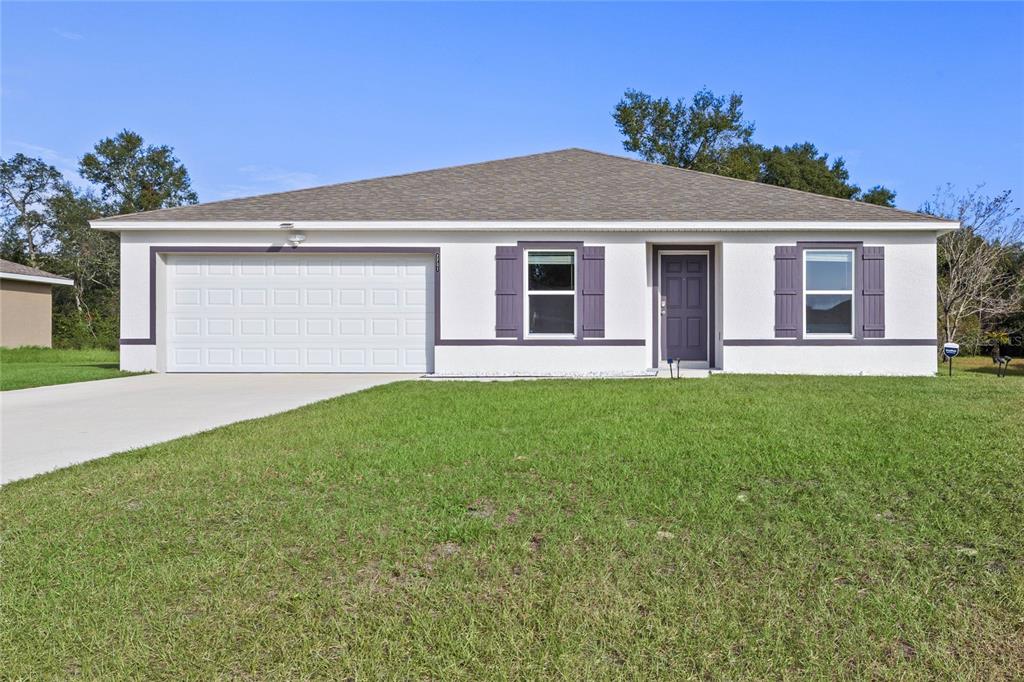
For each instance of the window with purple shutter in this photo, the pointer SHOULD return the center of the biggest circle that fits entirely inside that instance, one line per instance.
(508, 292)
(592, 290)
(788, 292)
(872, 294)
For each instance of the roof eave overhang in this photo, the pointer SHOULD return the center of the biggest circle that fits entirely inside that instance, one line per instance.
(531, 225)
(61, 281)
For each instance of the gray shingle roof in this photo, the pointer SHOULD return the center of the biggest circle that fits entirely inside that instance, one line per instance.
(11, 268)
(566, 185)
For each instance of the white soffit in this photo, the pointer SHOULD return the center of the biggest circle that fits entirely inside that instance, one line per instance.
(504, 226)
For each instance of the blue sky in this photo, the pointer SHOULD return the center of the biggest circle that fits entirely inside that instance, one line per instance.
(265, 97)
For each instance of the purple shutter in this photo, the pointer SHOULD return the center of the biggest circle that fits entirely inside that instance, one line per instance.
(592, 281)
(508, 292)
(788, 285)
(872, 293)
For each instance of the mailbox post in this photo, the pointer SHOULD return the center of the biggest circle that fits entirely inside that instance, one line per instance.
(951, 350)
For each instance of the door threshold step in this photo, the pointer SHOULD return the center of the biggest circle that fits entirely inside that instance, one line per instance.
(683, 373)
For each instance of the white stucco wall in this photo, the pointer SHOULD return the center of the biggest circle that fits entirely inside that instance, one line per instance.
(848, 360)
(910, 308)
(541, 360)
(748, 262)
(140, 359)
(744, 297)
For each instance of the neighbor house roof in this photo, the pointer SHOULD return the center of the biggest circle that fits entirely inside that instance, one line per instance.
(568, 185)
(12, 270)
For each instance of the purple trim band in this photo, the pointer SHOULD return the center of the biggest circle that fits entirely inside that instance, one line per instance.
(154, 250)
(831, 342)
(549, 245)
(656, 290)
(541, 342)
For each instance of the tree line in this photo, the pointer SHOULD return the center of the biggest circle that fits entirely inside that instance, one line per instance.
(46, 225)
(709, 134)
(45, 217)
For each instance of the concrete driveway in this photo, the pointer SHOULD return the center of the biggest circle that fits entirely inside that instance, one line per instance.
(55, 426)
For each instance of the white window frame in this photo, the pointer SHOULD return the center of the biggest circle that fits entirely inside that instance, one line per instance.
(850, 291)
(527, 293)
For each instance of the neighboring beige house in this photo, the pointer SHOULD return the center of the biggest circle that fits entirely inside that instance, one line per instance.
(26, 303)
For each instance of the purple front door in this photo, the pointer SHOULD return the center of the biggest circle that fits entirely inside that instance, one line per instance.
(684, 317)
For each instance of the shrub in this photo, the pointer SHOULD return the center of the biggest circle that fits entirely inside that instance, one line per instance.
(81, 330)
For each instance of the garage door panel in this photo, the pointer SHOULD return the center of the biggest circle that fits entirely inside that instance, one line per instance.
(320, 357)
(415, 356)
(224, 269)
(252, 327)
(220, 357)
(286, 327)
(249, 297)
(285, 298)
(253, 267)
(187, 326)
(352, 270)
(288, 269)
(351, 297)
(352, 327)
(188, 357)
(186, 296)
(383, 327)
(319, 268)
(217, 326)
(185, 266)
(319, 297)
(286, 358)
(319, 326)
(352, 358)
(252, 357)
(336, 313)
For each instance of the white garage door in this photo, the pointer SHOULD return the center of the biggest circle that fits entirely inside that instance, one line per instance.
(299, 313)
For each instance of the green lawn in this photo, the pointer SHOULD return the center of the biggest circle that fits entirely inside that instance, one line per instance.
(735, 527)
(28, 367)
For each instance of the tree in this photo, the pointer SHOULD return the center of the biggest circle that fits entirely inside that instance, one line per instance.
(133, 177)
(699, 135)
(710, 135)
(85, 314)
(979, 278)
(1014, 322)
(800, 166)
(25, 186)
(744, 162)
(878, 195)
(46, 224)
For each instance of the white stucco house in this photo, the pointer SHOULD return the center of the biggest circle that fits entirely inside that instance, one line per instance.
(565, 262)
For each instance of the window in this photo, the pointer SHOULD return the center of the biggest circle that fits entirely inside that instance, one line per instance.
(551, 292)
(828, 292)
